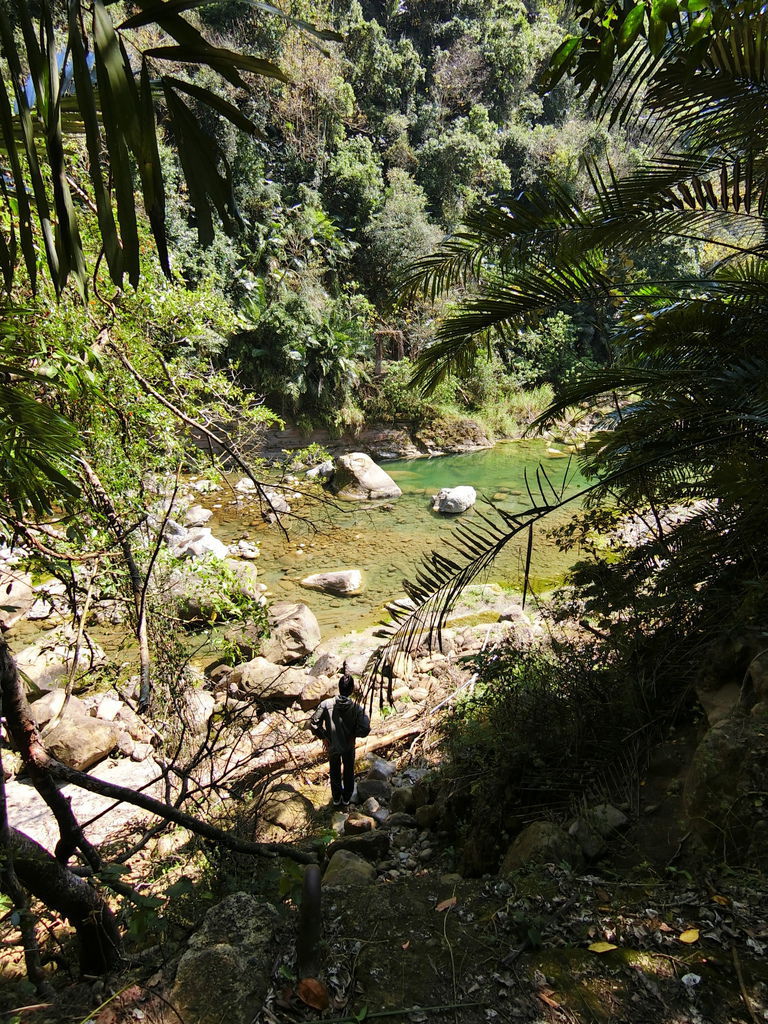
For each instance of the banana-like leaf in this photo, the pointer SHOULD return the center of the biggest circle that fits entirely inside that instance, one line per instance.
(87, 105)
(162, 8)
(150, 169)
(200, 157)
(68, 231)
(42, 206)
(215, 102)
(121, 123)
(218, 58)
(24, 219)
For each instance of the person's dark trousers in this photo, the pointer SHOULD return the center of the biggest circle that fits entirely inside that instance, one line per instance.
(342, 776)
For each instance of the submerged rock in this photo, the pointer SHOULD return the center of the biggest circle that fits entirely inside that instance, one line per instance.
(345, 582)
(358, 478)
(274, 505)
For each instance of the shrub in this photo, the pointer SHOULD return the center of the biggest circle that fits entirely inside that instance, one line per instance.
(541, 728)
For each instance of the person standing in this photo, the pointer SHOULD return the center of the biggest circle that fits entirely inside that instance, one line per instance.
(338, 722)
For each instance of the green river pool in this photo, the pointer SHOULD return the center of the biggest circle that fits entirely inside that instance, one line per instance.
(385, 540)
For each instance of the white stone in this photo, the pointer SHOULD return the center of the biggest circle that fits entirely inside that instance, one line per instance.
(454, 500)
(197, 709)
(200, 542)
(276, 503)
(197, 516)
(322, 472)
(109, 708)
(245, 549)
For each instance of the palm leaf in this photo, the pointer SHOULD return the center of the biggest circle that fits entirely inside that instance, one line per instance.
(88, 108)
(476, 542)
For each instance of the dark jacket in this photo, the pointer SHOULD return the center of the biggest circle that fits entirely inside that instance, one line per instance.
(339, 721)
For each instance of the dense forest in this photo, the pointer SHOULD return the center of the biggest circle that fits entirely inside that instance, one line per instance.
(243, 249)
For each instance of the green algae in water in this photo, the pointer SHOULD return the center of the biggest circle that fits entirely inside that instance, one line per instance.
(387, 540)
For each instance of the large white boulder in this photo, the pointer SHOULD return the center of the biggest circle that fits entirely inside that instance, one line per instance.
(358, 478)
(345, 582)
(453, 500)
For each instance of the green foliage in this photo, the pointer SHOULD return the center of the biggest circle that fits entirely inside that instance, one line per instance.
(354, 186)
(292, 352)
(113, 108)
(544, 354)
(399, 233)
(39, 446)
(393, 398)
(299, 459)
(384, 73)
(539, 727)
(457, 165)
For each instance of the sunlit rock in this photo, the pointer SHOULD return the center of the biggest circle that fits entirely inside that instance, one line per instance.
(454, 500)
(358, 478)
(345, 582)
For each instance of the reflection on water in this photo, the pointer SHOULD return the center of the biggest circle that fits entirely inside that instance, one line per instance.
(386, 540)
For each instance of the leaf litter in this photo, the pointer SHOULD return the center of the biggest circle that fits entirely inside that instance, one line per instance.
(550, 946)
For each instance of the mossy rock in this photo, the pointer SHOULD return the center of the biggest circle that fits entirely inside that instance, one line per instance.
(724, 793)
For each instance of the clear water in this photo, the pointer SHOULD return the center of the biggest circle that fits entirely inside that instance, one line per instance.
(386, 540)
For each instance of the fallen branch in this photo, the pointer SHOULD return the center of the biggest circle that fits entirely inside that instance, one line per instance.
(73, 898)
(314, 753)
(9, 884)
(43, 769)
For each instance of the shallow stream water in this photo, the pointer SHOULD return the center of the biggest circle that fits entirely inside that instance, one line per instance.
(386, 540)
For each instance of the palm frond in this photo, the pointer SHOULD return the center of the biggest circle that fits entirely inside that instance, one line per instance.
(438, 584)
(503, 304)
